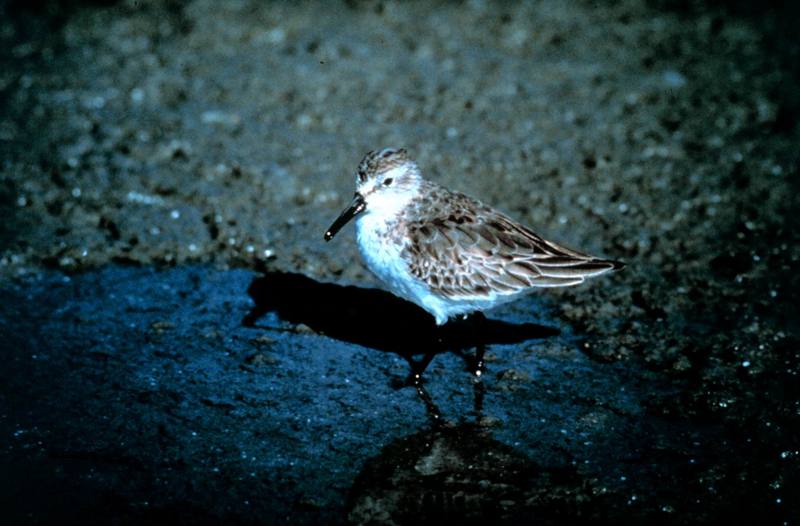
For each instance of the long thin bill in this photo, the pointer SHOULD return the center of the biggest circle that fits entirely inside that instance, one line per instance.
(356, 207)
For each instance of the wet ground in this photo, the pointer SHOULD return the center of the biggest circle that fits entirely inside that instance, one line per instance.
(178, 342)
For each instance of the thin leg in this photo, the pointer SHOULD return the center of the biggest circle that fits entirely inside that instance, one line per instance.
(480, 364)
(417, 368)
(430, 406)
(479, 390)
(478, 387)
(475, 364)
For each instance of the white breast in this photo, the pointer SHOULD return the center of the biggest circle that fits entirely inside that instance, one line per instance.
(382, 252)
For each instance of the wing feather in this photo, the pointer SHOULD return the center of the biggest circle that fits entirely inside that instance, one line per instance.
(471, 249)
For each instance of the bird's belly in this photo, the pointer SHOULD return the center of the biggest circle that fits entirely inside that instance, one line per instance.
(382, 249)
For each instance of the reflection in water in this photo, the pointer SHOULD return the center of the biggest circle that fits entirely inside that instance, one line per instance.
(457, 471)
(460, 473)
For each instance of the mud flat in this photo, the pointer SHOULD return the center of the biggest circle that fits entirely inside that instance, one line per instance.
(168, 170)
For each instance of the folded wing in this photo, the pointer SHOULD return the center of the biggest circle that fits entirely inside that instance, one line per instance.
(471, 251)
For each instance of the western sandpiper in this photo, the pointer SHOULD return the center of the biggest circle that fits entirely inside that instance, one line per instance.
(445, 251)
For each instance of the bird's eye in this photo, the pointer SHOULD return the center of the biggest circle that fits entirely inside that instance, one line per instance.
(387, 181)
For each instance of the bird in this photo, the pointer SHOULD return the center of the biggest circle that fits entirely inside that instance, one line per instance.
(446, 252)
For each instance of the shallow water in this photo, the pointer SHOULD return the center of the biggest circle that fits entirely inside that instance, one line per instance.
(179, 343)
(149, 392)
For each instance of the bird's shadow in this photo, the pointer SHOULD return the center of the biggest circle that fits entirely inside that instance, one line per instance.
(379, 320)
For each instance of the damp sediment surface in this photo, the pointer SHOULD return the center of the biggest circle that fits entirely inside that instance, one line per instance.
(179, 344)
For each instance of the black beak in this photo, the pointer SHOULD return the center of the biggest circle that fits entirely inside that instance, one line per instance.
(356, 207)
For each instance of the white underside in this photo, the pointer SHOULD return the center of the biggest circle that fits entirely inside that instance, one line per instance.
(383, 259)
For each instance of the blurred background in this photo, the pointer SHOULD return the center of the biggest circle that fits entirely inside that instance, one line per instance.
(159, 159)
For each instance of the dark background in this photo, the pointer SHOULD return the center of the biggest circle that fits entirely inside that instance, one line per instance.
(179, 344)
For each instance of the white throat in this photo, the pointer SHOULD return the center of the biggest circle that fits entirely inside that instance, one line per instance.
(385, 202)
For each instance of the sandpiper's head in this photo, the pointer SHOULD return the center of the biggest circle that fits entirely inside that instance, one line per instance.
(385, 180)
(386, 170)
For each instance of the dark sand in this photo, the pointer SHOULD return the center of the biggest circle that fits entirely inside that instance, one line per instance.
(159, 158)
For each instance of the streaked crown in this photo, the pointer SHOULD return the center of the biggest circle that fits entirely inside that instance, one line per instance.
(378, 162)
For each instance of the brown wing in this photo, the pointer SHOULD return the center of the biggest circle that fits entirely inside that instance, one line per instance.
(468, 249)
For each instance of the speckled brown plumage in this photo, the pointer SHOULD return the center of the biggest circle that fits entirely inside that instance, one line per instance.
(461, 247)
